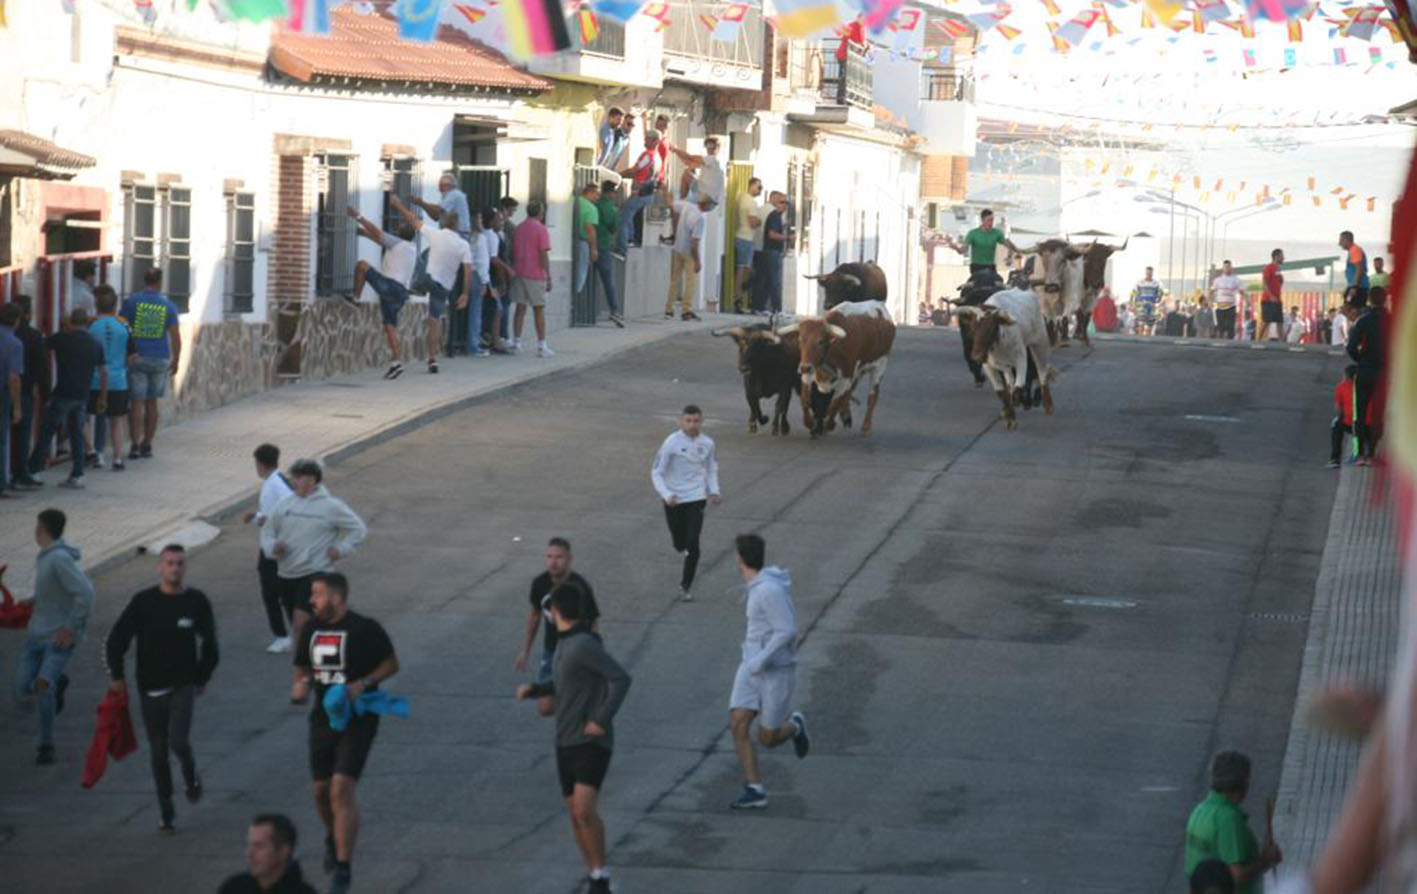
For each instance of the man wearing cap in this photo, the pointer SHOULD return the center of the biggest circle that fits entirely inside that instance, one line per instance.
(1219, 829)
(307, 532)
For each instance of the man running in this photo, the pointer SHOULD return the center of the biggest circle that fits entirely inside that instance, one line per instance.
(342, 647)
(558, 571)
(274, 488)
(587, 688)
(307, 532)
(390, 282)
(762, 688)
(1146, 297)
(1225, 291)
(685, 473)
(449, 255)
(176, 655)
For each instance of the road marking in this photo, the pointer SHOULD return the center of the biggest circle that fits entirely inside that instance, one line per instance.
(1289, 617)
(1201, 417)
(1160, 788)
(1098, 602)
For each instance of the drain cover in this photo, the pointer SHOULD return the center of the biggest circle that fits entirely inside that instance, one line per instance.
(1098, 602)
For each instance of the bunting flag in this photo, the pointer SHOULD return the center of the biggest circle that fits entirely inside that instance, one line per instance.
(908, 20)
(1363, 24)
(1244, 26)
(730, 23)
(534, 27)
(310, 16)
(708, 21)
(1105, 18)
(1296, 30)
(1339, 57)
(954, 27)
(251, 10)
(806, 18)
(587, 23)
(469, 14)
(418, 19)
(1290, 57)
(617, 10)
(1372, 202)
(1075, 29)
(1375, 54)
(1148, 18)
(1059, 45)
(1052, 7)
(1164, 10)
(1277, 10)
(1212, 10)
(878, 14)
(1250, 61)
(146, 12)
(1009, 32)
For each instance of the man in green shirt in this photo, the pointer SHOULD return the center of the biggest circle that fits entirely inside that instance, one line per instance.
(605, 231)
(1219, 829)
(587, 219)
(1379, 276)
(982, 244)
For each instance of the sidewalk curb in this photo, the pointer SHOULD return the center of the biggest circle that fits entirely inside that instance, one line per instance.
(216, 511)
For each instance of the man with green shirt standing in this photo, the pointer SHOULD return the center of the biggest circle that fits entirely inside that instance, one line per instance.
(605, 232)
(1219, 829)
(587, 245)
(982, 244)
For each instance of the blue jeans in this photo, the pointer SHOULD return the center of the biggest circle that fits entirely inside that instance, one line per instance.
(582, 264)
(20, 436)
(70, 412)
(543, 670)
(5, 437)
(40, 660)
(604, 265)
(474, 316)
(628, 211)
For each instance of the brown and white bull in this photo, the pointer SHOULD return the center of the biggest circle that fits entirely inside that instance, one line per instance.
(1094, 280)
(837, 351)
(1055, 272)
(863, 281)
(1008, 332)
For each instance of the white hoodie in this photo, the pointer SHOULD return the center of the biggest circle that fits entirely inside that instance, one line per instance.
(686, 468)
(309, 526)
(771, 639)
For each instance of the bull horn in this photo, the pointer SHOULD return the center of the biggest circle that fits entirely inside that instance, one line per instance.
(728, 330)
(1122, 247)
(852, 278)
(787, 330)
(1030, 250)
(811, 276)
(836, 330)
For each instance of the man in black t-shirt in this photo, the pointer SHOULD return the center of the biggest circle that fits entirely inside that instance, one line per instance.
(339, 646)
(558, 571)
(76, 356)
(768, 297)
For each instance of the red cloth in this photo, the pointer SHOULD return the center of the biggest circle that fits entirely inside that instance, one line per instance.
(1343, 402)
(13, 615)
(1104, 315)
(1273, 283)
(112, 736)
(854, 34)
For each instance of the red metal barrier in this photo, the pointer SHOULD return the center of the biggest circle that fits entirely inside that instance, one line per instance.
(55, 281)
(11, 279)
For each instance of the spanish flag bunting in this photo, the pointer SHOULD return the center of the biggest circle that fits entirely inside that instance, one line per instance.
(1198, 21)
(707, 20)
(1372, 202)
(806, 18)
(954, 27)
(1318, 201)
(1105, 18)
(1296, 30)
(1312, 183)
(1052, 7)
(586, 20)
(469, 13)
(1288, 197)
(1008, 31)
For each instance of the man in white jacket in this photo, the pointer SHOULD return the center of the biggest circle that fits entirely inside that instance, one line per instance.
(307, 532)
(685, 473)
(274, 488)
(763, 686)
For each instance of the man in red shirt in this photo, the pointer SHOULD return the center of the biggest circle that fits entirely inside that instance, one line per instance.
(1343, 415)
(1272, 301)
(648, 173)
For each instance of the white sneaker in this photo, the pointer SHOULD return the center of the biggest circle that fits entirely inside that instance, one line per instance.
(544, 350)
(278, 645)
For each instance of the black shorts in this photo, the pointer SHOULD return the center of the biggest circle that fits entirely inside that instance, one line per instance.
(343, 752)
(584, 764)
(1271, 312)
(117, 403)
(295, 593)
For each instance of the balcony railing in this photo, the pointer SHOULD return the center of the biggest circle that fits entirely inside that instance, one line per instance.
(947, 86)
(609, 42)
(688, 35)
(845, 82)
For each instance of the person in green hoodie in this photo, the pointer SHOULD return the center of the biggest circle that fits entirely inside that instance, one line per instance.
(63, 598)
(609, 214)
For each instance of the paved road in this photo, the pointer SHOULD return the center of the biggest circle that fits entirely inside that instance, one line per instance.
(1020, 648)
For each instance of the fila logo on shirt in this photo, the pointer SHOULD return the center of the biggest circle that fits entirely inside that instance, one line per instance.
(327, 656)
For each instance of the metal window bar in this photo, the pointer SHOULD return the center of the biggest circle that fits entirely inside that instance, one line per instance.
(610, 41)
(484, 186)
(400, 179)
(240, 295)
(177, 246)
(335, 233)
(948, 86)
(847, 82)
(688, 35)
(139, 234)
(585, 304)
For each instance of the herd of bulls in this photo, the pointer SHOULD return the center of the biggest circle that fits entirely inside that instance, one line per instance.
(1008, 336)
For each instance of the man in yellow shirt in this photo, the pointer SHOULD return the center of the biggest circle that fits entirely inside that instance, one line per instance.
(749, 220)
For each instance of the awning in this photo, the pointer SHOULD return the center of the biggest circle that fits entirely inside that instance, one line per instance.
(26, 155)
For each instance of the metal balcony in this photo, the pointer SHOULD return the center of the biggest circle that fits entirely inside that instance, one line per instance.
(692, 53)
(845, 82)
(946, 86)
(609, 42)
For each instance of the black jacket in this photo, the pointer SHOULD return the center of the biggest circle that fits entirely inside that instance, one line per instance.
(290, 883)
(1365, 339)
(176, 639)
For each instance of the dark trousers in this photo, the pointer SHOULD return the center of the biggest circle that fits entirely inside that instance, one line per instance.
(1225, 321)
(767, 281)
(270, 593)
(604, 268)
(168, 721)
(975, 268)
(70, 412)
(686, 521)
(966, 337)
(1365, 387)
(1335, 438)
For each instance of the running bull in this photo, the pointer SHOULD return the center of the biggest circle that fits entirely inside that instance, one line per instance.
(768, 362)
(836, 352)
(1008, 335)
(853, 282)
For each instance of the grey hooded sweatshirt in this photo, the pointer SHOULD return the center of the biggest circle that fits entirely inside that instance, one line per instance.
(63, 596)
(770, 642)
(309, 526)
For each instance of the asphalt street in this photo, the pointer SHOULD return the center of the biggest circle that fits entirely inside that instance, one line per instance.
(1020, 648)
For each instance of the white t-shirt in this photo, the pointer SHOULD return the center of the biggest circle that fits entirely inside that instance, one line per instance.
(1297, 328)
(711, 179)
(446, 252)
(1340, 330)
(491, 245)
(400, 257)
(81, 295)
(1227, 290)
(691, 226)
(481, 260)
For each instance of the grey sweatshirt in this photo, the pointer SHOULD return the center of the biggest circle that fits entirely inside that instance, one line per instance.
(771, 638)
(309, 526)
(63, 596)
(588, 685)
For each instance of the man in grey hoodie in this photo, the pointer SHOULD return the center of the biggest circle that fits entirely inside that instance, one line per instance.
(763, 686)
(63, 598)
(587, 687)
(306, 533)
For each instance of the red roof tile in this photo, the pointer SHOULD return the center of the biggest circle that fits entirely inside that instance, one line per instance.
(367, 47)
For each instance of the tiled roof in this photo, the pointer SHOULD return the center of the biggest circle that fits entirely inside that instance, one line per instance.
(44, 152)
(368, 48)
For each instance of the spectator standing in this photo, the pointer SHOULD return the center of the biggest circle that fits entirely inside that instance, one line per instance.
(587, 240)
(81, 290)
(587, 688)
(558, 571)
(1212, 877)
(685, 260)
(767, 673)
(1146, 299)
(646, 173)
(1342, 415)
(770, 260)
(498, 287)
(63, 599)
(1365, 346)
(449, 270)
(271, 867)
(1379, 275)
(1355, 269)
(1176, 323)
(922, 317)
(77, 359)
(1219, 829)
(451, 200)
(685, 475)
(274, 488)
(12, 373)
(176, 656)
(981, 244)
(1225, 292)
(1204, 319)
(306, 533)
(34, 393)
(344, 648)
(1272, 298)
(390, 282)
(481, 298)
(612, 138)
(1295, 328)
(608, 214)
(749, 222)
(153, 318)
(940, 316)
(119, 349)
(531, 262)
(1342, 320)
